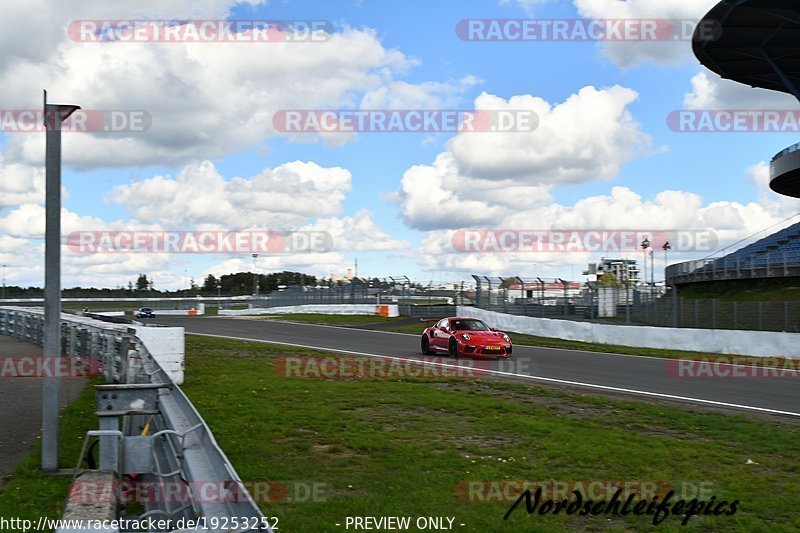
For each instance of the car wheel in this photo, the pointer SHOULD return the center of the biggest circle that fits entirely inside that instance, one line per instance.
(453, 349)
(426, 345)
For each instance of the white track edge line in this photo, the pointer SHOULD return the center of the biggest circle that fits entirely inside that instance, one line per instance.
(524, 376)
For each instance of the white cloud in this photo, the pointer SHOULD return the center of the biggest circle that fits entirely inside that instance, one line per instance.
(316, 264)
(200, 198)
(399, 94)
(483, 176)
(27, 221)
(584, 138)
(20, 184)
(205, 100)
(709, 91)
(356, 233)
(622, 209)
(630, 53)
(288, 194)
(32, 30)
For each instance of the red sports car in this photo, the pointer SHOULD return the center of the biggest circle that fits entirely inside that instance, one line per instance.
(470, 337)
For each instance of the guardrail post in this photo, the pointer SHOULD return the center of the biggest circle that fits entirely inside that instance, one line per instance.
(108, 456)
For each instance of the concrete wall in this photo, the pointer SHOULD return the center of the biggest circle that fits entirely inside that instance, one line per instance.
(328, 309)
(166, 344)
(735, 342)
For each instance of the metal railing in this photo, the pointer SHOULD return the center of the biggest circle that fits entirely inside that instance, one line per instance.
(791, 149)
(183, 449)
(767, 265)
(652, 305)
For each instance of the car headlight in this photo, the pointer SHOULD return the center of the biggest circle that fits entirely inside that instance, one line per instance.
(506, 338)
(465, 336)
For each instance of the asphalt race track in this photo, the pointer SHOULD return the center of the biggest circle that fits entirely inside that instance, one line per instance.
(647, 376)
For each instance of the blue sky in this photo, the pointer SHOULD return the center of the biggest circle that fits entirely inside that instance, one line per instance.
(388, 215)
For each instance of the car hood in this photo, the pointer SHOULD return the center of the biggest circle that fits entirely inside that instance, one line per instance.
(485, 336)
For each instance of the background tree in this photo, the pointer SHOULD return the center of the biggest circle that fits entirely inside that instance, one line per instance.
(210, 284)
(608, 279)
(142, 284)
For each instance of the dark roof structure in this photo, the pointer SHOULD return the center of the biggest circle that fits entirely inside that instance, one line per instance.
(756, 42)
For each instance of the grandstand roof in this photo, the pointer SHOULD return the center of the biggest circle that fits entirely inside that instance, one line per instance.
(756, 42)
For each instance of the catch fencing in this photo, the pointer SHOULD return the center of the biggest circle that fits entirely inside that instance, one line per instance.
(653, 305)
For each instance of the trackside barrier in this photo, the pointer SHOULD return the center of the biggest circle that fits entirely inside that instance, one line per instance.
(388, 311)
(178, 448)
(734, 342)
(328, 309)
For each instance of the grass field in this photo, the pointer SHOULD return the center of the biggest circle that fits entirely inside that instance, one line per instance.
(404, 447)
(409, 447)
(755, 290)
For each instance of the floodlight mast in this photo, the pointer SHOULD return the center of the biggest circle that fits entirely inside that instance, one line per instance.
(54, 116)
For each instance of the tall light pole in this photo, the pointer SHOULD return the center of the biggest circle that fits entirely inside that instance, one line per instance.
(4, 281)
(667, 247)
(54, 116)
(255, 275)
(645, 245)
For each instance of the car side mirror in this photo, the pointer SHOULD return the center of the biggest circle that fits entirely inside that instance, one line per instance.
(494, 329)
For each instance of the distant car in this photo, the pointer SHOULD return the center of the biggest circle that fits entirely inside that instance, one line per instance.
(470, 337)
(145, 312)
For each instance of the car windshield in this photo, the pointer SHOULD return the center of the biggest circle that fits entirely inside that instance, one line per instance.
(469, 325)
(145, 309)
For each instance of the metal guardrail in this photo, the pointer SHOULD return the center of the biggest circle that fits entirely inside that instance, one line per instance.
(184, 451)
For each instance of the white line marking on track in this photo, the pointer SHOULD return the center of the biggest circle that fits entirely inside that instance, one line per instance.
(524, 376)
(648, 357)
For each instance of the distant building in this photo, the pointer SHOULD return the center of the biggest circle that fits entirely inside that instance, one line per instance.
(344, 279)
(625, 270)
(550, 292)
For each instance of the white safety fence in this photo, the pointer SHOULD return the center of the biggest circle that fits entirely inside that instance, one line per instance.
(328, 309)
(734, 342)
